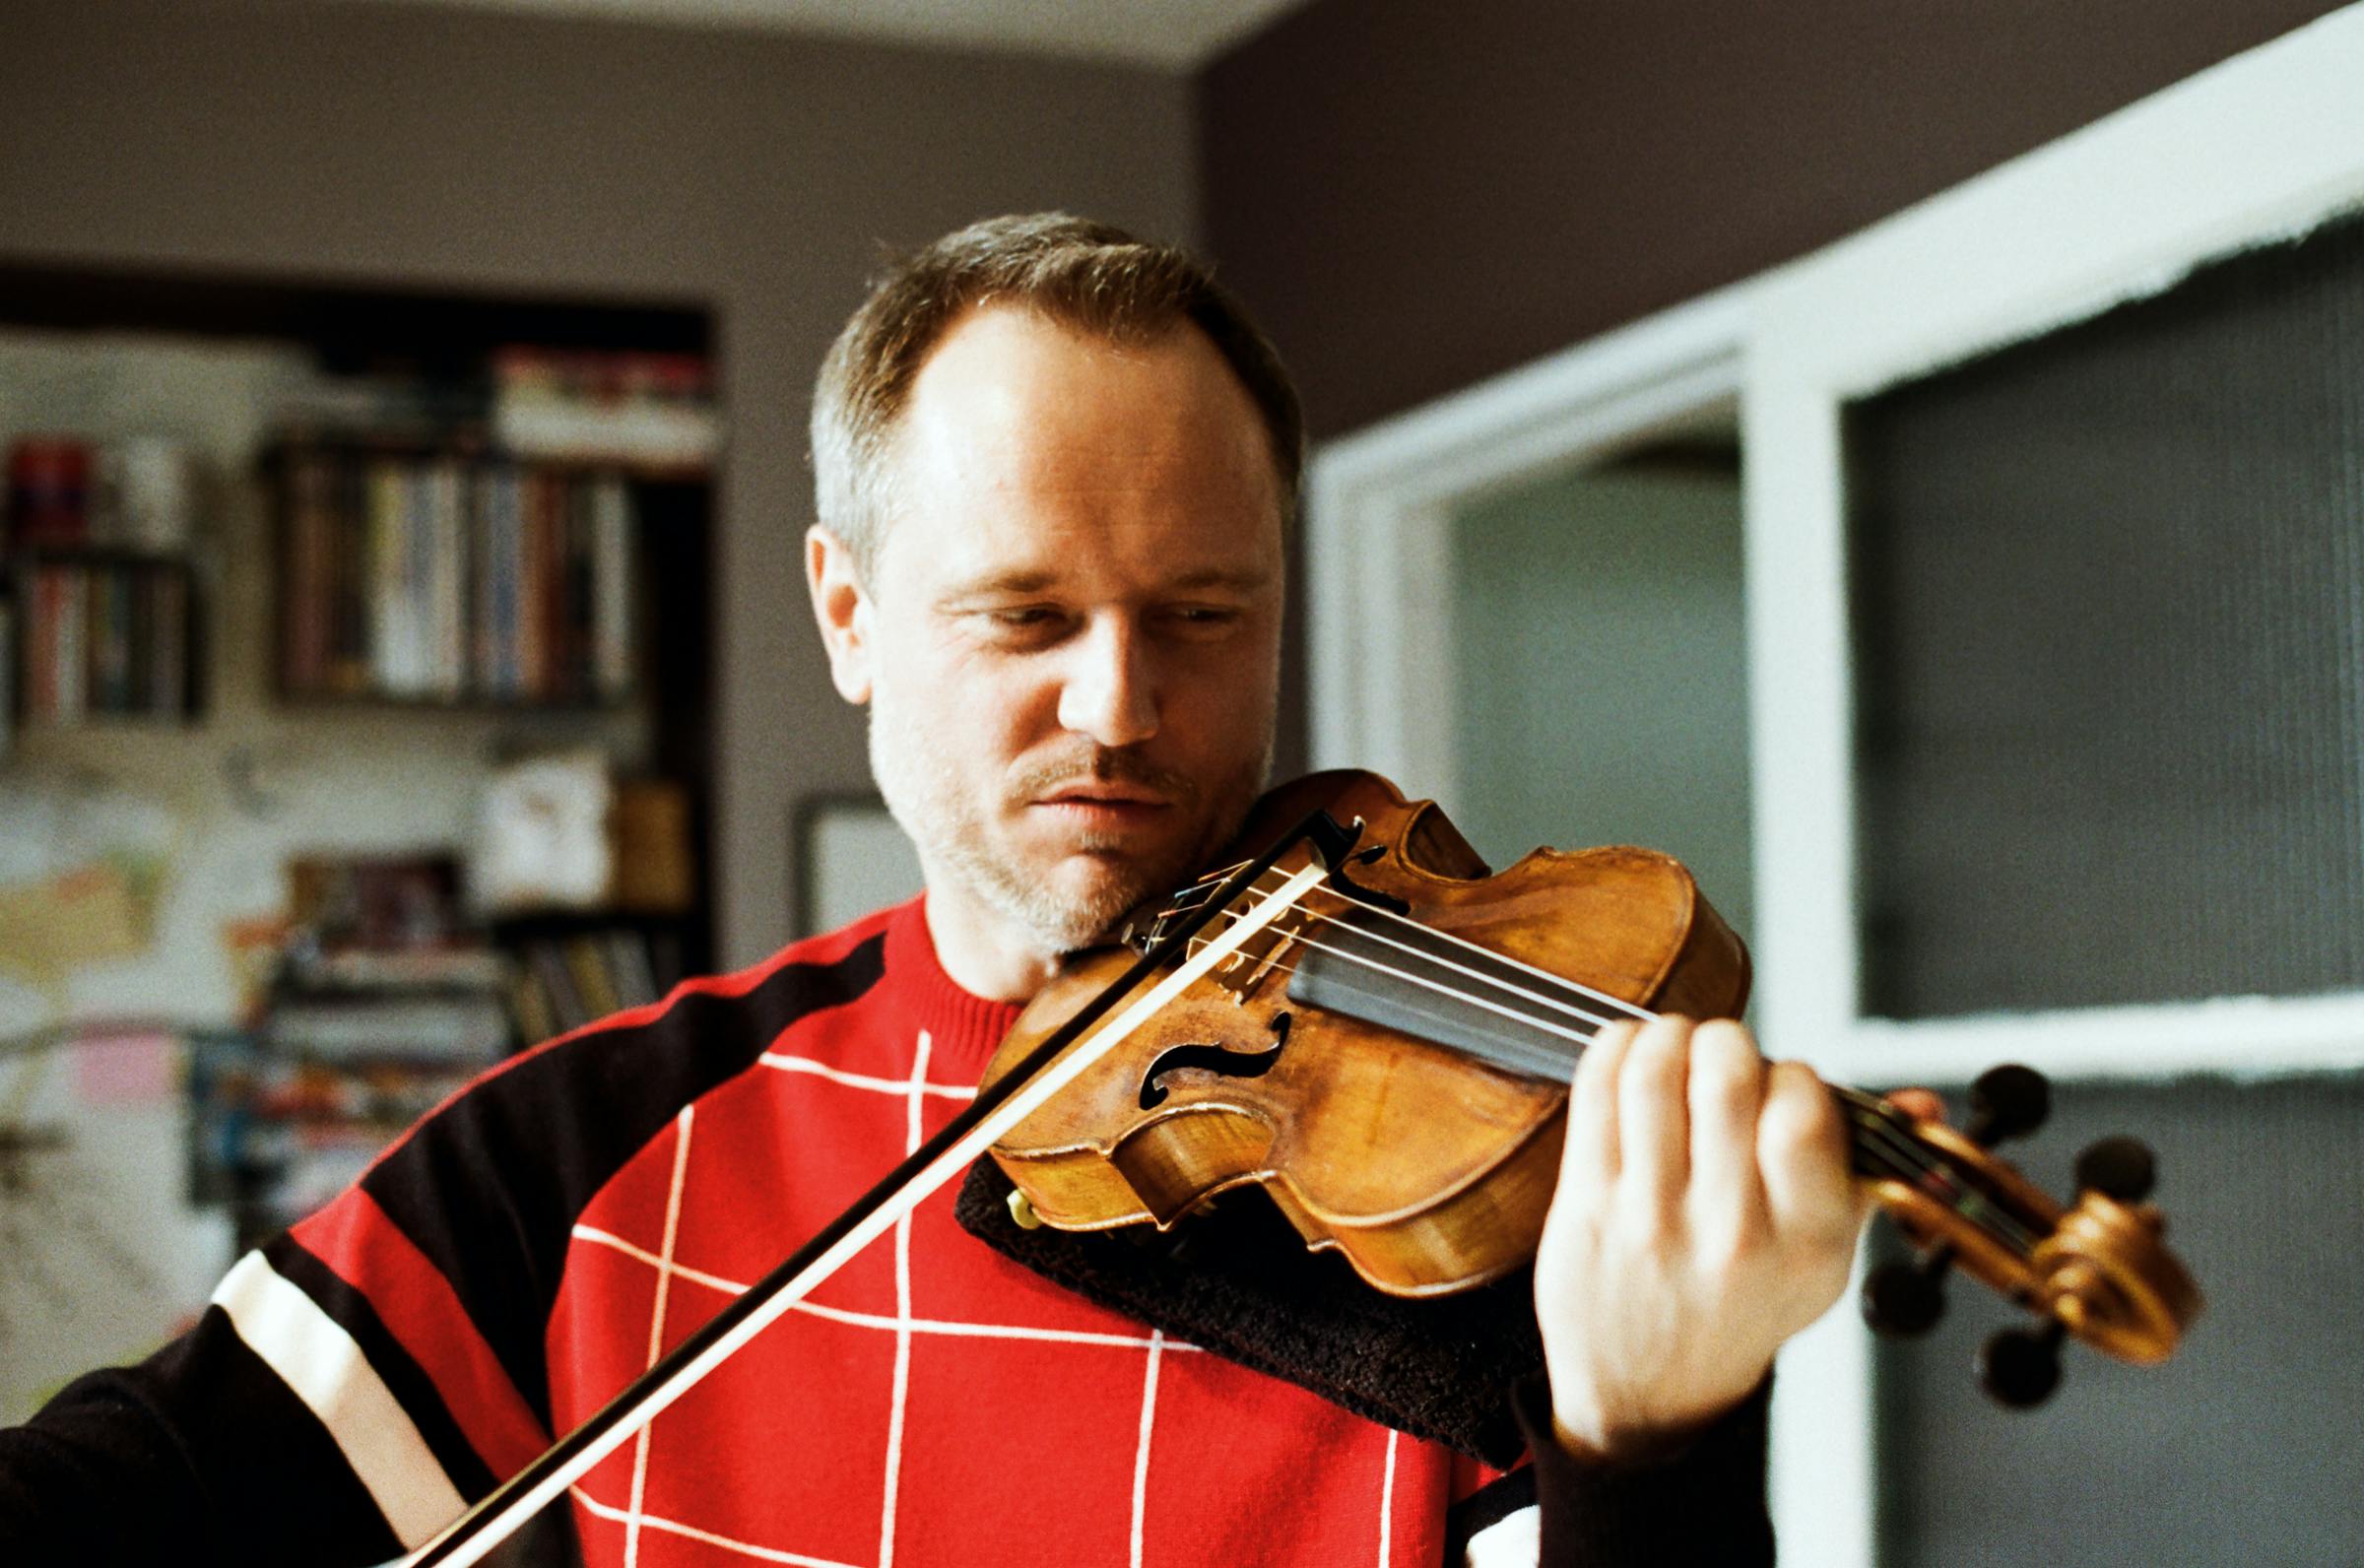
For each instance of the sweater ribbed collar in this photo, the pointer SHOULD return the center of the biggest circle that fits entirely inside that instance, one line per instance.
(963, 1029)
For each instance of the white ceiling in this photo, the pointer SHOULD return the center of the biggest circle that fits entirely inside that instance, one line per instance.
(1173, 34)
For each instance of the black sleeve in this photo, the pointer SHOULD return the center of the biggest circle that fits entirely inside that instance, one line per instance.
(198, 1456)
(1703, 1503)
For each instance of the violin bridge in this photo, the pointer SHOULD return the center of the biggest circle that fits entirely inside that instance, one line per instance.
(1259, 956)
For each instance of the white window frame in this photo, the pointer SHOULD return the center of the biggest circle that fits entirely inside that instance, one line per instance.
(1380, 506)
(2263, 147)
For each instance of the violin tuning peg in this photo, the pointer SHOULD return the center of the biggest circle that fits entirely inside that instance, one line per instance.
(1903, 1299)
(2118, 1167)
(2020, 1367)
(2006, 1102)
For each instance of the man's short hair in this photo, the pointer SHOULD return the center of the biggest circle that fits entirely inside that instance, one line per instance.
(1084, 275)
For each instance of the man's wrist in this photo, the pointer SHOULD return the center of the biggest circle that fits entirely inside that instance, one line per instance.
(1602, 1443)
(1700, 1500)
(1586, 1431)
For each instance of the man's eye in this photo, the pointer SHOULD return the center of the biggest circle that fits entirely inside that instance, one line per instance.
(1201, 618)
(1023, 618)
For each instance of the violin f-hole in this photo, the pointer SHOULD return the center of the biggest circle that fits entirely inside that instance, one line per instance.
(1215, 1059)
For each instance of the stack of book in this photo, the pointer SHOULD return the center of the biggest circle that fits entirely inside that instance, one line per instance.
(75, 493)
(445, 577)
(655, 411)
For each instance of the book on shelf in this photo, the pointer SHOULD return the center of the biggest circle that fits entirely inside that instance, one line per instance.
(8, 671)
(654, 409)
(274, 1136)
(366, 969)
(457, 1029)
(383, 998)
(565, 981)
(103, 638)
(444, 576)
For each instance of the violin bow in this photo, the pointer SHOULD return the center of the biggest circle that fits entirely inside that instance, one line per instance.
(998, 1107)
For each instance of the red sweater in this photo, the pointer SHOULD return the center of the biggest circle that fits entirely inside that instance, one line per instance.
(933, 1403)
(544, 1236)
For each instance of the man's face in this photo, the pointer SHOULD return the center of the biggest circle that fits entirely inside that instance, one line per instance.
(1071, 637)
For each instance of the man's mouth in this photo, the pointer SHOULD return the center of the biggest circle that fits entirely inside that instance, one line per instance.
(1104, 794)
(1101, 806)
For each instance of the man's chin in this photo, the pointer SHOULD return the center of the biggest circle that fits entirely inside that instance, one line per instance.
(1098, 892)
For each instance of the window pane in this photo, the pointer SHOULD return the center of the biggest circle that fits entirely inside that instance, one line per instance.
(2110, 609)
(1600, 659)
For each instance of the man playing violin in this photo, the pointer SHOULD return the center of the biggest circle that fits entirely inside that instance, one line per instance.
(1055, 472)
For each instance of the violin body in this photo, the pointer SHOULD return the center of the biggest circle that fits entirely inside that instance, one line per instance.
(1293, 1070)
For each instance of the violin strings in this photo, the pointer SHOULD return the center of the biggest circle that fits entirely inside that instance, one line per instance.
(1881, 1137)
(1505, 1009)
(1568, 1007)
(1630, 1010)
(1906, 1158)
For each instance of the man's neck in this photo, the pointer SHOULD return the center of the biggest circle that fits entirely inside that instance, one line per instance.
(982, 952)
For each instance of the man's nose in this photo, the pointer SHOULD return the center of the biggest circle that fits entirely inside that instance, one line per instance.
(1110, 691)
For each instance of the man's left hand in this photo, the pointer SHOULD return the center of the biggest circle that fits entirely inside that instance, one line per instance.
(1704, 1214)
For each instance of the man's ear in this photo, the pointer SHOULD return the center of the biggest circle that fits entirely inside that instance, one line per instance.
(843, 609)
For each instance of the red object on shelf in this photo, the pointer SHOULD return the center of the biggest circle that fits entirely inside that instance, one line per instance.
(48, 491)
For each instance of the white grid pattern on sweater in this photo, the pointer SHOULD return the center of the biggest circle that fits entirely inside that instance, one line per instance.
(903, 1325)
(913, 1135)
(635, 1517)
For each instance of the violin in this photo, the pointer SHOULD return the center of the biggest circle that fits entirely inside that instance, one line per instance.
(1388, 1059)
(1362, 1021)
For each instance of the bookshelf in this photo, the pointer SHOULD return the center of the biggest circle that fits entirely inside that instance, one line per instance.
(282, 1064)
(440, 529)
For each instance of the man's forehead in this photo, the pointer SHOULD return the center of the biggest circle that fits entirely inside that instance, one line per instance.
(1033, 457)
(1005, 371)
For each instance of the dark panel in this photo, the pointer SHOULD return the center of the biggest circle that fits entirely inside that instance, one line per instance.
(355, 327)
(2110, 601)
(2241, 1449)
(1419, 195)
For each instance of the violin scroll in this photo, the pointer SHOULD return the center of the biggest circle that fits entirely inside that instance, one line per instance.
(2095, 1270)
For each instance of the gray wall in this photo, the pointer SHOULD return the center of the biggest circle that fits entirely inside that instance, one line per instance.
(1418, 195)
(436, 148)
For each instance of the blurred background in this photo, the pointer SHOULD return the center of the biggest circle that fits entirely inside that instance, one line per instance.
(403, 653)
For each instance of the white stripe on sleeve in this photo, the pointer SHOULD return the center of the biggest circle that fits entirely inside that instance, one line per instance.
(1515, 1540)
(320, 1363)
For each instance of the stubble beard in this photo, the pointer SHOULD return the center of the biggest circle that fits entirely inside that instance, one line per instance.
(944, 820)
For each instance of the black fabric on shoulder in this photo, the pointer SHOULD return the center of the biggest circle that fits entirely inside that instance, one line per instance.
(101, 1474)
(493, 1185)
(1699, 1504)
(1486, 1507)
(395, 1366)
(1239, 1281)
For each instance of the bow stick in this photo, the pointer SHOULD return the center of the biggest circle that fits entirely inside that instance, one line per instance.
(996, 1110)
